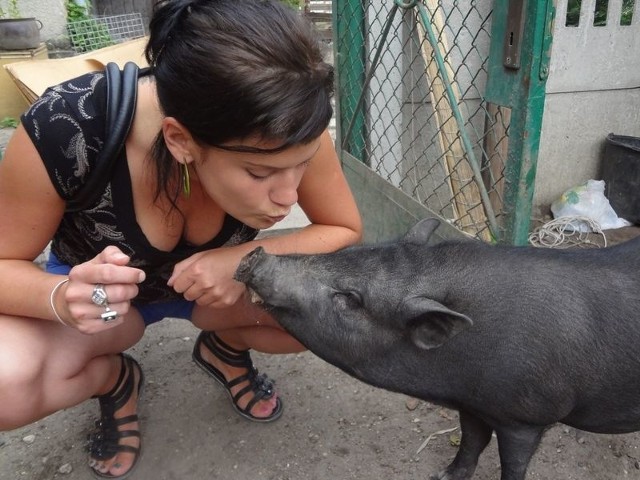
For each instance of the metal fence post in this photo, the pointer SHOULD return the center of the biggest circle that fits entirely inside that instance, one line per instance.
(349, 21)
(518, 68)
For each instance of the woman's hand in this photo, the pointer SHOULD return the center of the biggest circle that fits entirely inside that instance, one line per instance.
(207, 278)
(109, 268)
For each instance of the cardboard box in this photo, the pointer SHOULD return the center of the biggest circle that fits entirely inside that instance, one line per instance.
(12, 102)
(33, 78)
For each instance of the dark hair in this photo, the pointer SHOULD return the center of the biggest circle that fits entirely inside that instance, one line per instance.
(230, 69)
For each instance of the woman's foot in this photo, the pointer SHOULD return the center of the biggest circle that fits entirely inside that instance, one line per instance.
(115, 446)
(252, 395)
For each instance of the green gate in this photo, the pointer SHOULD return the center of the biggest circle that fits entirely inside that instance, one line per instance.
(439, 107)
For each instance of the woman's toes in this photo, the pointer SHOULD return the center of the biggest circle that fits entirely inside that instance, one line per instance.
(114, 467)
(264, 408)
(101, 467)
(119, 468)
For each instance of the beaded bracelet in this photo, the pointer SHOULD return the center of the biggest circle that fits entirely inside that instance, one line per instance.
(53, 292)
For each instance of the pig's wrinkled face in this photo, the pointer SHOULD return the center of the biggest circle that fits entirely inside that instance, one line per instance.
(342, 301)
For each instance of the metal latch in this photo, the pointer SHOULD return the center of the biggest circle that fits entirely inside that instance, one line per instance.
(513, 33)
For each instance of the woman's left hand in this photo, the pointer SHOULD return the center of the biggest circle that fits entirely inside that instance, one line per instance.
(207, 278)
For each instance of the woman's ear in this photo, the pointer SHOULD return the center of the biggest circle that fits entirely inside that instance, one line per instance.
(178, 139)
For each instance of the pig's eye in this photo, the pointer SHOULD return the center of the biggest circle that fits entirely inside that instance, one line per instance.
(350, 299)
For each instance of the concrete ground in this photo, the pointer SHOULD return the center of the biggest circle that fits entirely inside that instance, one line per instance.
(333, 427)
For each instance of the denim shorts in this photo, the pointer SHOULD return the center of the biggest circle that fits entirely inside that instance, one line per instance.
(151, 312)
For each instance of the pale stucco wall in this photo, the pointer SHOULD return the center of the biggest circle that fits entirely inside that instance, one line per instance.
(52, 14)
(593, 90)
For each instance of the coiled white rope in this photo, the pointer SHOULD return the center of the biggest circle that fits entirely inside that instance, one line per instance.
(566, 232)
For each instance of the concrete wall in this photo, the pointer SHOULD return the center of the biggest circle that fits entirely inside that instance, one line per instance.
(574, 129)
(593, 90)
(52, 14)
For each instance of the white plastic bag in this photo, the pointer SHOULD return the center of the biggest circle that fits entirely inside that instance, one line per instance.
(588, 200)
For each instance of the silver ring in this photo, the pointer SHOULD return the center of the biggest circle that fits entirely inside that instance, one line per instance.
(108, 315)
(99, 296)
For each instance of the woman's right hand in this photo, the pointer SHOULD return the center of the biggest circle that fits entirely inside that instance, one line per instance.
(74, 303)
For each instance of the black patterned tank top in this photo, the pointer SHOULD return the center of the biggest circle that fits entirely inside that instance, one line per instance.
(66, 125)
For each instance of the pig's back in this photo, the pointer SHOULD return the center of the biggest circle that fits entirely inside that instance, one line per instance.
(558, 329)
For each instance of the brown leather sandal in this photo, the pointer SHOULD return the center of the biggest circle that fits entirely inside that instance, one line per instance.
(104, 444)
(260, 385)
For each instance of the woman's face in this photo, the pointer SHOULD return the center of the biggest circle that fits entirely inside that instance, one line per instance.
(257, 189)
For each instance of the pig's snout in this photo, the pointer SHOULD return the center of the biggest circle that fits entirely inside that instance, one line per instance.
(245, 271)
(247, 264)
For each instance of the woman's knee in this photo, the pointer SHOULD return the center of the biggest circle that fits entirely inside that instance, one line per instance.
(28, 362)
(20, 385)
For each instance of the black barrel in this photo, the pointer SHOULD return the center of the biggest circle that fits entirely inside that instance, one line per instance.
(621, 173)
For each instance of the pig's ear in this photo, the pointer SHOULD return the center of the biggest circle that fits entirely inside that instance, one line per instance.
(431, 324)
(421, 231)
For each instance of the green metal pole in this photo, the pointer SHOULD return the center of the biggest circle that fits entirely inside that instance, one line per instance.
(518, 68)
(358, 108)
(457, 115)
(349, 24)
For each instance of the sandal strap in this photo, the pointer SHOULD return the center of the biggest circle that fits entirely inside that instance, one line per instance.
(104, 442)
(260, 386)
(128, 449)
(124, 420)
(226, 353)
(103, 450)
(239, 379)
(128, 433)
(226, 346)
(123, 372)
(114, 435)
(256, 398)
(120, 394)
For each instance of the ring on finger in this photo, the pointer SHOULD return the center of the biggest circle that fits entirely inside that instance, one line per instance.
(99, 296)
(108, 315)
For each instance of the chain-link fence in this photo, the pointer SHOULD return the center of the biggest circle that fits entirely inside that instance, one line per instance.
(104, 31)
(412, 77)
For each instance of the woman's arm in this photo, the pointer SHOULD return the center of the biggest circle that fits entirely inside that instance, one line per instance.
(30, 211)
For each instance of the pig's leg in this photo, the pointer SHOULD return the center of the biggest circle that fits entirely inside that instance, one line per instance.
(476, 434)
(516, 445)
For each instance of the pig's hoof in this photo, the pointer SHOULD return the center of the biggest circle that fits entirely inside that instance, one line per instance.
(440, 476)
(447, 474)
(259, 385)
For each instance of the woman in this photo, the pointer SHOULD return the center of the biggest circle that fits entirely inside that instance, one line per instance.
(229, 133)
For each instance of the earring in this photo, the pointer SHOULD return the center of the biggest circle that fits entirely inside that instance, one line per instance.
(186, 182)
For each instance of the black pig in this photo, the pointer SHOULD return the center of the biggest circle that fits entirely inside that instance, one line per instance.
(514, 338)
